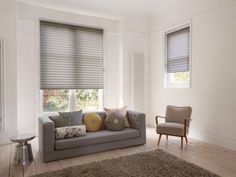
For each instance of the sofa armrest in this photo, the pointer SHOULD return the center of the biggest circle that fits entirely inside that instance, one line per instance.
(45, 136)
(137, 121)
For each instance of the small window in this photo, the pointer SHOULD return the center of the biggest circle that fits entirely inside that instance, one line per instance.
(178, 58)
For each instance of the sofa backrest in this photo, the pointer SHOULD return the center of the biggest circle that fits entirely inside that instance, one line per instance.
(102, 114)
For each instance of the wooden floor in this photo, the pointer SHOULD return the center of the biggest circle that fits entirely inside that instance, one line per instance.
(214, 158)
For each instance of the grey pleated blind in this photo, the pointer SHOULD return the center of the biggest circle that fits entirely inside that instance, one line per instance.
(71, 57)
(178, 51)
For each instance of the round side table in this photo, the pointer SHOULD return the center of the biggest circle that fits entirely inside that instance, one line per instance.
(23, 151)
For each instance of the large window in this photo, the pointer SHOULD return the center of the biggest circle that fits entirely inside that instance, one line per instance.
(178, 58)
(65, 100)
(71, 67)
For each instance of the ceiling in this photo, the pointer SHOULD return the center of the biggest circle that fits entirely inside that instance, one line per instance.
(121, 8)
(109, 7)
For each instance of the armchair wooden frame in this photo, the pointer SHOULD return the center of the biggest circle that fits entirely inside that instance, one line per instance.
(186, 123)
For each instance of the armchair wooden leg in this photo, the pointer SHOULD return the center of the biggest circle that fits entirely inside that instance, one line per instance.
(159, 139)
(167, 137)
(182, 138)
(186, 139)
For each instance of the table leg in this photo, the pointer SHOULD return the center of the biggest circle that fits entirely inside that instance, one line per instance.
(23, 153)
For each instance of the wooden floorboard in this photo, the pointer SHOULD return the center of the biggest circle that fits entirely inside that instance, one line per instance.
(15, 170)
(5, 160)
(214, 158)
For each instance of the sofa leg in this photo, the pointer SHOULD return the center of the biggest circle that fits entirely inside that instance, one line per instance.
(186, 139)
(159, 139)
(182, 142)
(167, 137)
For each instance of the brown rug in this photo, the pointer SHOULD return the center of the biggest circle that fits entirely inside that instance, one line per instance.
(156, 163)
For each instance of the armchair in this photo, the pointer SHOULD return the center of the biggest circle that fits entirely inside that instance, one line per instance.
(177, 122)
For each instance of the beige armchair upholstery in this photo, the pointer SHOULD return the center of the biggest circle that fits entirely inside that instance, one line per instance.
(177, 121)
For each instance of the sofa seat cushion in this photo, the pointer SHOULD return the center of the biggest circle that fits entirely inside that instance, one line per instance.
(103, 136)
(170, 129)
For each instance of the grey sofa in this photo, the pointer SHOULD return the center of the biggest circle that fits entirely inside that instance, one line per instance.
(51, 149)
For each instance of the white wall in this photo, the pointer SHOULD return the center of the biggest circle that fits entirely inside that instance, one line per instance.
(118, 45)
(212, 95)
(28, 59)
(112, 70)
(8, 31)
(132, 42)
(27, 72)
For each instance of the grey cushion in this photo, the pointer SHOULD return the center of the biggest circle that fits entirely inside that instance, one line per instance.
(178, 114)
(91, 138)
(171, 129)
(75, 117)
(115, 121)
(59, 121)
(70, 131)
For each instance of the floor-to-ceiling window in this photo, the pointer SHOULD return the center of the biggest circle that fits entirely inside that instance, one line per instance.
(71, 67)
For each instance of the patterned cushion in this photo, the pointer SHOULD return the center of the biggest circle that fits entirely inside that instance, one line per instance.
(115, 121)
(70, 132)
(93, 122)
(122, 110)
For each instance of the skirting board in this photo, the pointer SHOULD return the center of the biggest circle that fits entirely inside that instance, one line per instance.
(216, 139)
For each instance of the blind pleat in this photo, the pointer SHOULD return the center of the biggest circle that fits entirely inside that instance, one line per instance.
(178, 51)
(71, 57)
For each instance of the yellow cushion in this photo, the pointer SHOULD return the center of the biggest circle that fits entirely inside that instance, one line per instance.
(93, 122)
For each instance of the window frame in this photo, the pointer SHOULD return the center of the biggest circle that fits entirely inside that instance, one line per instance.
(55, 113)
(2, 86)
(166, 76)
(39, 91)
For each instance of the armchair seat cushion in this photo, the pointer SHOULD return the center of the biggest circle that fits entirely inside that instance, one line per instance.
(168, 128)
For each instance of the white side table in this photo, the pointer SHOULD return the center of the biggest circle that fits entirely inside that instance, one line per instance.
(23, 152)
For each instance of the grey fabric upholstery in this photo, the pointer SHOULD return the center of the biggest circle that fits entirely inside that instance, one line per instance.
(170, 129)
(178, 114)
(96, 138)
(48, 145)
(60, 121)
(46, 136)
(75, 117)
(138, 121)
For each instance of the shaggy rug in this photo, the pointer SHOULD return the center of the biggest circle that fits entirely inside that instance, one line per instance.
(152, 164)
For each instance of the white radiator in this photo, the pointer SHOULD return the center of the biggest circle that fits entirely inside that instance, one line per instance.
(137, 81)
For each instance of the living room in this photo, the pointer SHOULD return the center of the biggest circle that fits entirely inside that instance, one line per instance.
(145, 57)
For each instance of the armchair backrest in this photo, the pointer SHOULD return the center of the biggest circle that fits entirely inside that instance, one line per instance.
(178, 114)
